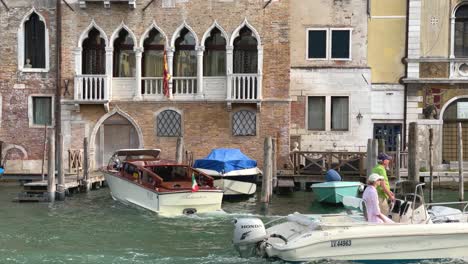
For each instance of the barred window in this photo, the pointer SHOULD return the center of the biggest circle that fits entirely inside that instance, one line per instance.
(244, 123)
(169, 124)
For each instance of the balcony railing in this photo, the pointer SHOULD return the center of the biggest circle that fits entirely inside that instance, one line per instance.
(245, 87)
(152, 86)
(91, 88)
(184, 85)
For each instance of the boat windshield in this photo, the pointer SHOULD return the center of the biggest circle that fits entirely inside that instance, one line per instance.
(172, 173)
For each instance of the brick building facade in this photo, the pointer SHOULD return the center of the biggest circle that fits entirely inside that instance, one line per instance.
(118, 102)
(27, 82)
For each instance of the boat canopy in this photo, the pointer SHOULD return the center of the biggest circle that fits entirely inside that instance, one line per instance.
(225, 160)
(137, 152)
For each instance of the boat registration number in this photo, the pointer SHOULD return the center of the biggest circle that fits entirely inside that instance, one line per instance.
(341, 243)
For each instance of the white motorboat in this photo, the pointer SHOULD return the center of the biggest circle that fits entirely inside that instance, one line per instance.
(232, 171)
(139, 177)
(299, 237)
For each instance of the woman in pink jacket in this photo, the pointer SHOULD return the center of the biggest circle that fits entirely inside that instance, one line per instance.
(372, 201)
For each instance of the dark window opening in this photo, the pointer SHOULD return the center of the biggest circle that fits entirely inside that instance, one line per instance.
(34, 42)
(94, 53)
(317, 48)
(340, 44)
(245, 52)
(214, 59)
(316, 113)
(124, 55)
(42, 110)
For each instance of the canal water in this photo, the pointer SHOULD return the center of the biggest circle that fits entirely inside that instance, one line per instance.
(93, 228)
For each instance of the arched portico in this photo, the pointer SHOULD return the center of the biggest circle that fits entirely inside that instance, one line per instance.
(114, 130)
(453, 112)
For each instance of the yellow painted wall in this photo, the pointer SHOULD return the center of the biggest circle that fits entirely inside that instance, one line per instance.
(387, 40)
(435, 37)
(388, 7)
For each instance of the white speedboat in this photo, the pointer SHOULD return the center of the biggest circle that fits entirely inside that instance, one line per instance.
(300, 237)
(232, 171)
(139, 177)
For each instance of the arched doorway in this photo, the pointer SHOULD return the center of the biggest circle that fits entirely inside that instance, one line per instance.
(116, 132)
(456, 112)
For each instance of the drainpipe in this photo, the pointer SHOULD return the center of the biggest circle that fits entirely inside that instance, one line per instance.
(405, 93)
(58, 110)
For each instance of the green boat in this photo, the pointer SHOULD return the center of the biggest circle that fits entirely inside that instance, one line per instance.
(333, 192)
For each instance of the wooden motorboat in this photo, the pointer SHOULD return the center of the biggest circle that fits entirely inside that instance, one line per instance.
(139, 177)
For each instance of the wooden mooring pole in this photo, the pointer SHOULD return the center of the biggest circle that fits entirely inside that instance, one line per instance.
(180, 150)
(460, 162)
(381, 148)
(61, 175)
(86, 180)
(398, 157)
(51, 168)
(44, 152)
(413, 160)
(431, 165)
(369, 164)
(274, 181)
(267, 170)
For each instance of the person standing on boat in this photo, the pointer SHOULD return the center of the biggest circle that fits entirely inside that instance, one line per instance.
(383, 190)
(370, 197)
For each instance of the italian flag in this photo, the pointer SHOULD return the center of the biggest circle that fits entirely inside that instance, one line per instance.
(194, 184)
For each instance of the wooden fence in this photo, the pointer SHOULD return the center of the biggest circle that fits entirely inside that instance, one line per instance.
(75, 160)
(318, 162)
(347, 163)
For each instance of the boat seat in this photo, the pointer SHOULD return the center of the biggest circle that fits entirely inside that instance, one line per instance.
(400, 207)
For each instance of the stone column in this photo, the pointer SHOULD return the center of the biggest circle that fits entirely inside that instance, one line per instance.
(452, 37)
(260, 72)
(138, 56)
(170, 64)
(109, 73)
(200, 50)
(229, 71)
(78, 71)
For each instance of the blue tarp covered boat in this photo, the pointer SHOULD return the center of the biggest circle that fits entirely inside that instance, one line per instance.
(232, 170)
(225, 160)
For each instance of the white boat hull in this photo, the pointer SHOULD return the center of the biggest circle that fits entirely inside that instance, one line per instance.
(230, 185)
(236, 188)
(167, 203)
(376, 242)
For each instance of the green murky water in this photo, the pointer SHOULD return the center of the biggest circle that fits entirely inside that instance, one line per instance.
(93, 228)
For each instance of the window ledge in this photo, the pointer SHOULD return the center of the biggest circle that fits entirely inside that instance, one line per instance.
(40, 126)
(33, 70)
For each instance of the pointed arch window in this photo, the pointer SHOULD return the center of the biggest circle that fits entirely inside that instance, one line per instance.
(153, 63)
(124, 55)
(461, 31)
(94, 53)
(185, 56)
(34, 42)
(245, 52)
(214, 59)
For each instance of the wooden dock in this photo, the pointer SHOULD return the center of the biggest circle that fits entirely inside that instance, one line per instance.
(36, 191)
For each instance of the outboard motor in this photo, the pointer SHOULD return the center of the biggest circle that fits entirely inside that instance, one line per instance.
(248, 233)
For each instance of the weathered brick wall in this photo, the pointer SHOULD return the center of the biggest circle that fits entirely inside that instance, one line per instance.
(205, 125)
(15, 86)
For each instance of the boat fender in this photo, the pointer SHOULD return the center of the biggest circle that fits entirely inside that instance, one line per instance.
(280, 237)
